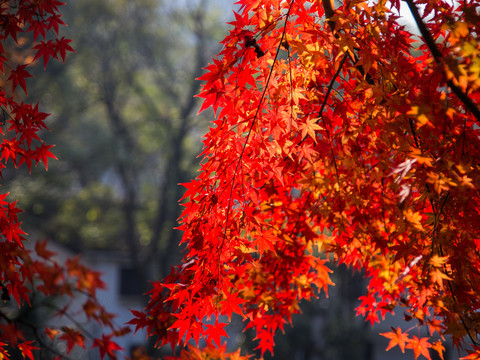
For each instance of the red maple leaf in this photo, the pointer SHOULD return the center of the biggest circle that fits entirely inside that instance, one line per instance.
(72, 337)
(18, 76)
(214, 332)
(62, 46)
(106, 346)
(26, 348)
(45, 49)
(41, 249)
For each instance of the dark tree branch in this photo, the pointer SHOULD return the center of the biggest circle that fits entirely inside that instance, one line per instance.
(437, 55)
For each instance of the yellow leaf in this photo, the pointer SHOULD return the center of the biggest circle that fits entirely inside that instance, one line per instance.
(413, 110)
(414, 218)
(421, 158)
(461, 29)
(421, 120)
(438, 261)
(439, 182)
(437, 277)
(420, 114)
(245, 250)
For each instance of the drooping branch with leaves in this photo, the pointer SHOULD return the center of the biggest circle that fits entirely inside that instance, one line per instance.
(339, 133)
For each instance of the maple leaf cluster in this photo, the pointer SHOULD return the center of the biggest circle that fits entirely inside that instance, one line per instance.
(338, 133)
(26, 271)
(29, 30)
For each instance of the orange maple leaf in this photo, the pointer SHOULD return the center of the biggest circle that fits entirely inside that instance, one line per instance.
(309, 128)
(419, 347)
(397, 337)
(472, 354)
(437, 277)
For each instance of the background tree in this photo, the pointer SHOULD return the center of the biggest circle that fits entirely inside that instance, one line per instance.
(30, 31)
(329, 121)
(124, 101)
(124, 126)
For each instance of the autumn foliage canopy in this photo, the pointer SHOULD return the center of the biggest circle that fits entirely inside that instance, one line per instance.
(340, 137)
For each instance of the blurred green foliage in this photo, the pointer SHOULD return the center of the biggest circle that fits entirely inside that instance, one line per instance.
(125, 128)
